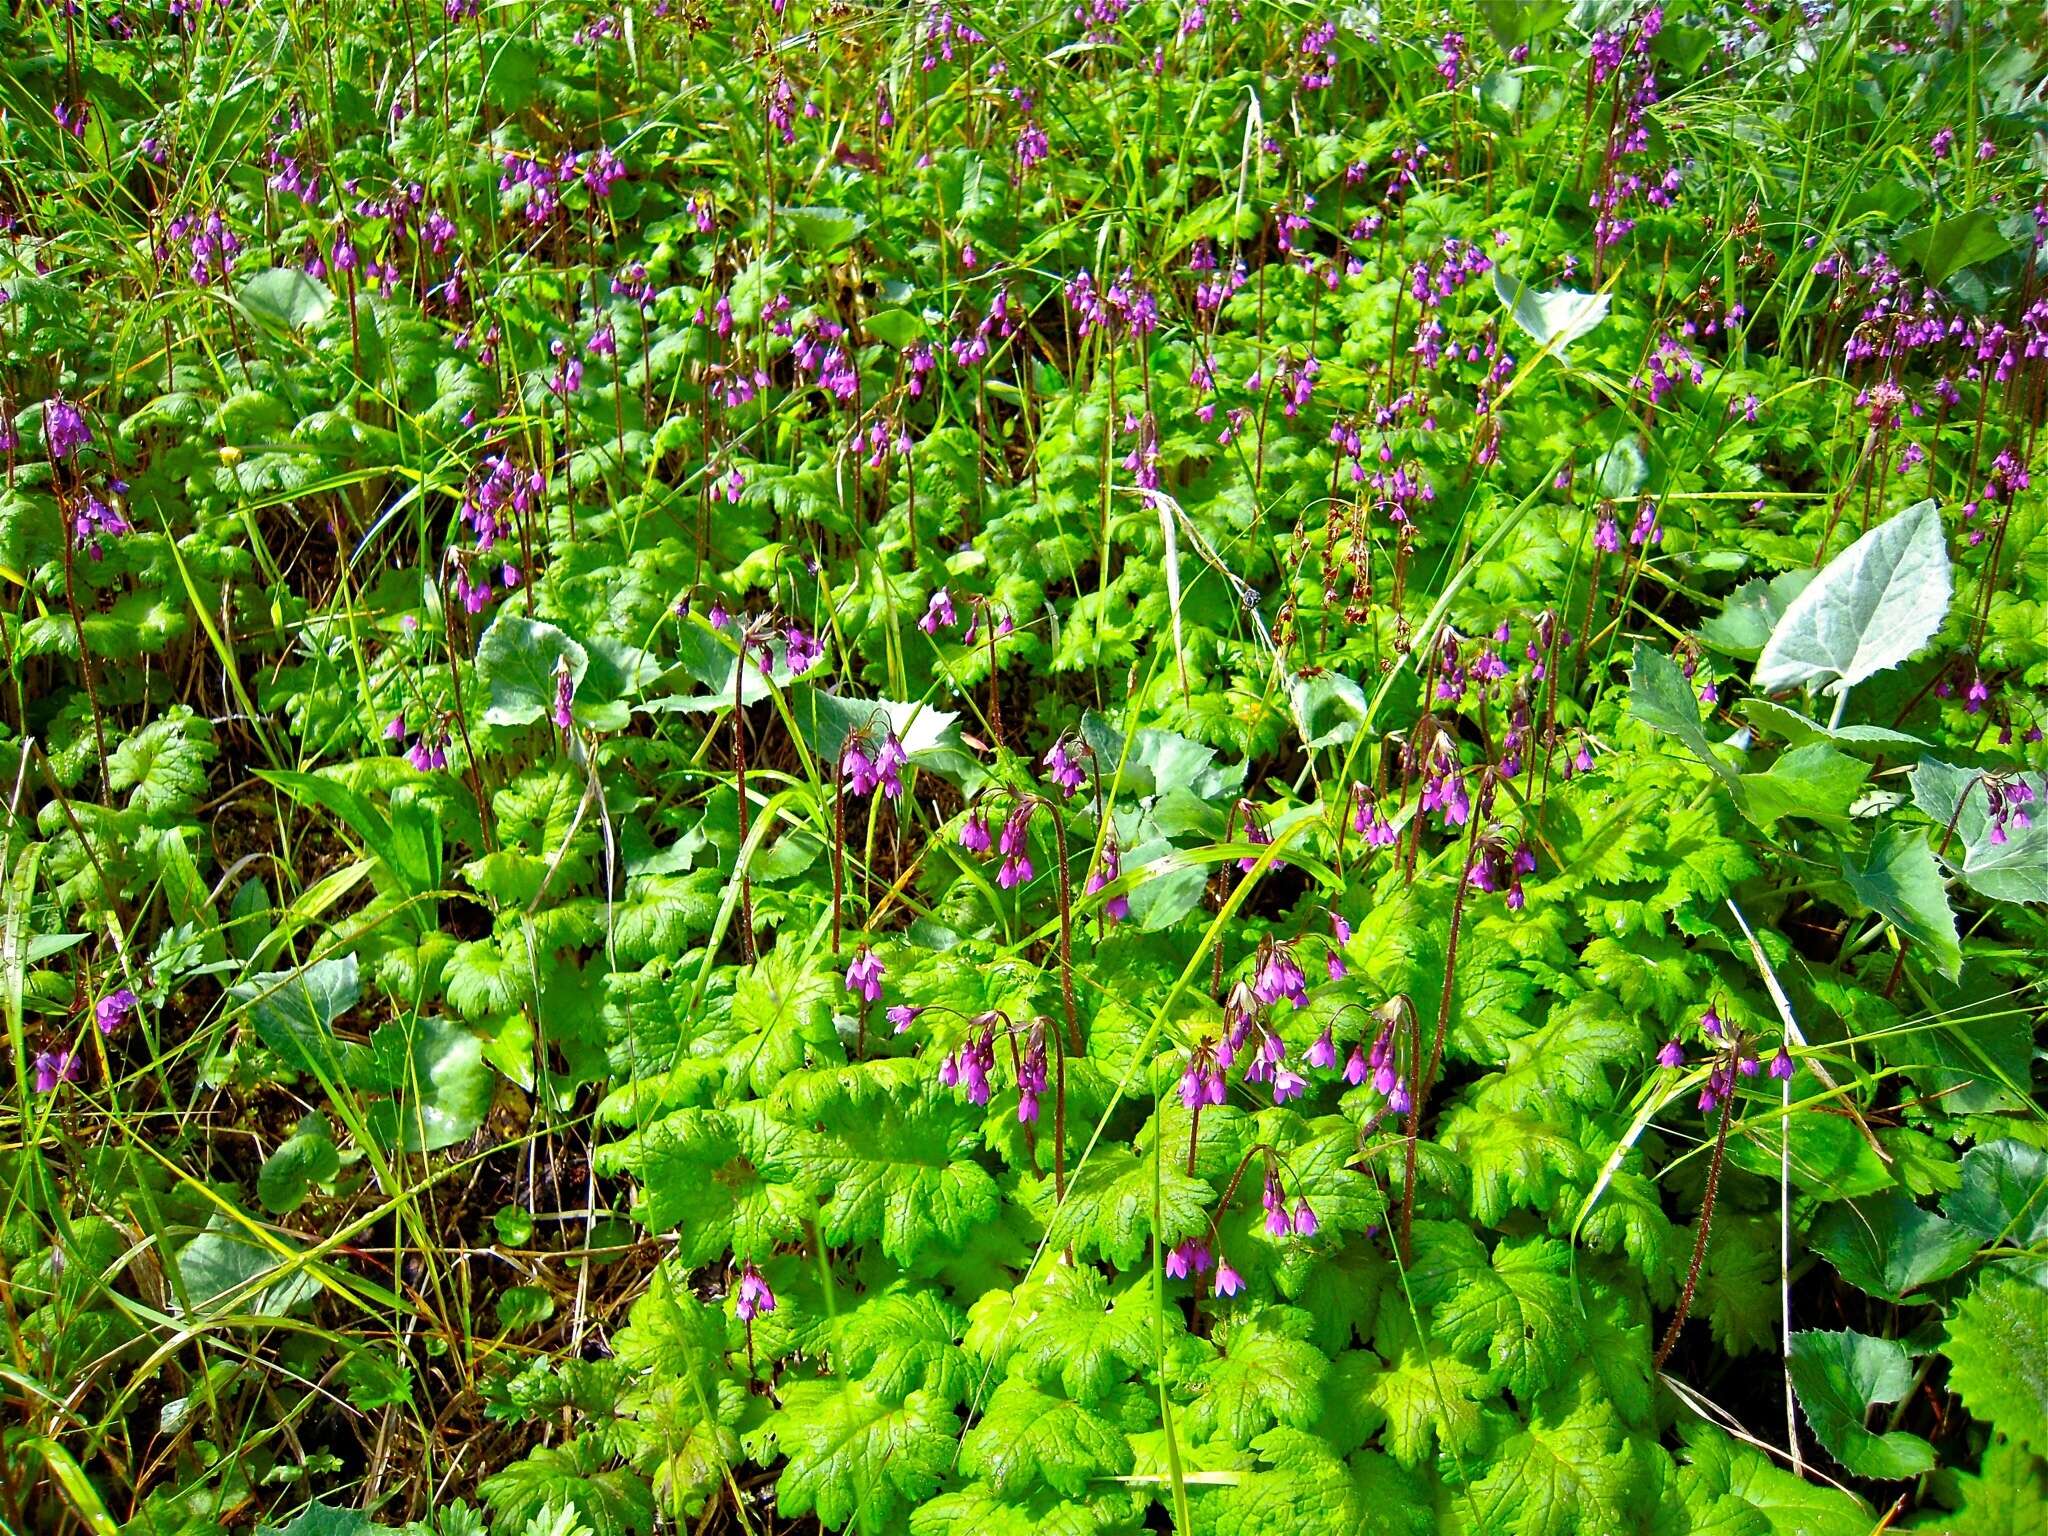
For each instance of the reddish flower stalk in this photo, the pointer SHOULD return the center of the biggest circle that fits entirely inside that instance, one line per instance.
(1426, 1080)
(1699, 1242)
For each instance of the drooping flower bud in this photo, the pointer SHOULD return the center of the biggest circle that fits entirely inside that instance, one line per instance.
(754, 1298)
(864, 975)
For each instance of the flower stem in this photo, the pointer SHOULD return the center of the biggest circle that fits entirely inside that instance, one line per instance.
(1424, 1081)
(739, 762)
(1699, 1242)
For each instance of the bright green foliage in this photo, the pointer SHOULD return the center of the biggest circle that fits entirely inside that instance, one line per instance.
(900, 1343)
(1570, 1473)
(1027, 1435)
(856, 1459)
(1518, 1316)
(1264, 1375)
(576, 1475)
(162, 767)
(1109, 1209)
(897, 1156)
(723, 1179)
(1840, 1377)
(1023, 768)
(977, 1510)
(782, 1010)
(2008, 1498)
(1732, 1487)
(1998, 1364)
(1429, 1406)
(1068, 1329)
(2001, 1194)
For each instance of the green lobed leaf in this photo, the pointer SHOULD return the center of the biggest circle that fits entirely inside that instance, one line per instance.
(1998, 1355)
(1028, 1435)
(1517, 1314)
(855, 1459)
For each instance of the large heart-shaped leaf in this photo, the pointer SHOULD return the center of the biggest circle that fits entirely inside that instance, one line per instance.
(438, 1079)
(1900, 880)
(223, 1270)
(1622, 470)
(305, 1158)
(1660, 697)
(294, 1014)
(285, 298)
(1887, 1245)
(1875, 604)
(1158, 761)
(930, 737)
(518, 659)
(1555, 319)
(822, 229)
(1838, 1377)
(1997, 857)
(1944, 249)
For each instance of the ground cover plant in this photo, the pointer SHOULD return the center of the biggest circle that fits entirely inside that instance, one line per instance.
(1023, 768)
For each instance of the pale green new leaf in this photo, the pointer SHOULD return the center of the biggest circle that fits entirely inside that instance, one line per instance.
(1870, 608)
(1555, 319)
(856, 1458)
(1518, 1314)
(1028, 1436)
(519, 659)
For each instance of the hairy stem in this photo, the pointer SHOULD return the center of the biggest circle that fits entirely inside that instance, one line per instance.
(1699, 1242)
(739, 766)
(1424, 1081)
